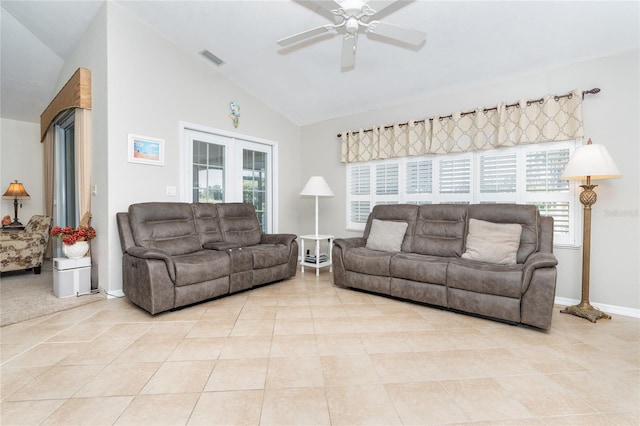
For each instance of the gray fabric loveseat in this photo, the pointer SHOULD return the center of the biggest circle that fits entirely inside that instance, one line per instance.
(493, 260)
(177, 254)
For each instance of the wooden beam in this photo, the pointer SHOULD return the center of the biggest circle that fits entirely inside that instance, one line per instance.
(76, 93)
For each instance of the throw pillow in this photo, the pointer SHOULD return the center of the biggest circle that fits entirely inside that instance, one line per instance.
(493, 242)
(386, 235)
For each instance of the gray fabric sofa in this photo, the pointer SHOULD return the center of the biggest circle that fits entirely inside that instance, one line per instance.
(429, 267)
(177, 254)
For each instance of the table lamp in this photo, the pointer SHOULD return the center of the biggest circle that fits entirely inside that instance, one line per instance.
(15, 192)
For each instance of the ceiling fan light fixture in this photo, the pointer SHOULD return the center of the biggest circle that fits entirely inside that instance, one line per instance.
(352, 25)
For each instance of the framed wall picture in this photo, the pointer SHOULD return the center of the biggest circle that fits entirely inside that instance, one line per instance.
(146, 150)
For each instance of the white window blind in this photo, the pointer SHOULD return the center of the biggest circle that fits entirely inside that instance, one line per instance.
(419, 177)
(359, 211)
(387, 178)
(526, 174)
(561, 213)
(360, 180)
(544, 169)
(498, 174)
(455, 176)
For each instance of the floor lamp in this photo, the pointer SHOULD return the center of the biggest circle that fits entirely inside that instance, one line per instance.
(316, 187)
(590, 161)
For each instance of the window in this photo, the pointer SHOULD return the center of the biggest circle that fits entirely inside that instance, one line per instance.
(526, 174)
(221, 167)
(208, 172)
(66, 210)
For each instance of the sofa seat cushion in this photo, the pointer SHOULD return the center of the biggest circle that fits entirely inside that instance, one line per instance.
(204, 265)
(367, 261)
(268, 255)
(487, 278)
(421, 268)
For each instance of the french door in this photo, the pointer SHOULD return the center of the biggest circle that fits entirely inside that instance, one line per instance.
(221, 167)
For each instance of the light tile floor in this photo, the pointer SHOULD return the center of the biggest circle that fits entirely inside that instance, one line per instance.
(305, 352)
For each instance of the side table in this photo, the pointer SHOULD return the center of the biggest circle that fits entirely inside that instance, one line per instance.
(71, 277)
(13, 228)
(318, 259)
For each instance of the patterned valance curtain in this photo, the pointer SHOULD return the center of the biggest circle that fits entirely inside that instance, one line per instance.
(551, 118)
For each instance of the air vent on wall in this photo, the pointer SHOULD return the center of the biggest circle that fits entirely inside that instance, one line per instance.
(213, 58)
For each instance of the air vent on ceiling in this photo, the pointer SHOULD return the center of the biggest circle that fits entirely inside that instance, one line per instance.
(213, 58)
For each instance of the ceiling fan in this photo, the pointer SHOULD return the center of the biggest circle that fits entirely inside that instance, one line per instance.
(353, 17)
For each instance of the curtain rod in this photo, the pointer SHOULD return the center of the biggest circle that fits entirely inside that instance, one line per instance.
(529, 102)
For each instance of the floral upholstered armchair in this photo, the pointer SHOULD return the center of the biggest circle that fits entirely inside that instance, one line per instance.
(25, 249)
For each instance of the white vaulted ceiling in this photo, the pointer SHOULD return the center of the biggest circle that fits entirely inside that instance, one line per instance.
(468, 43)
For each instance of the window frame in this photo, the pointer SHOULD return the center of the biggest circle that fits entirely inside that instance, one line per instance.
(572, 238)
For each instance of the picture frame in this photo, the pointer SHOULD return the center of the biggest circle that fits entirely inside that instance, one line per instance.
(145, 150)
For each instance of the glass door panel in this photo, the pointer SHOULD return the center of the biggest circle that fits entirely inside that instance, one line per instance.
(255, 182)
(209, 171)
(221, 168)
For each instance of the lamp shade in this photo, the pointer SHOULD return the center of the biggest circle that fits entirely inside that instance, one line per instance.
(16, 191)
(591, 160)
(316, 187)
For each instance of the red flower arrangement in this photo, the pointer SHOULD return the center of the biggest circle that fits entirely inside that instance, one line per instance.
(70, 236)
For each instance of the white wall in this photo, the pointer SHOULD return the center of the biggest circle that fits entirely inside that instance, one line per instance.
(610, 118)
(143, 84)
(21, 159)
(152, 87)
(91, 53)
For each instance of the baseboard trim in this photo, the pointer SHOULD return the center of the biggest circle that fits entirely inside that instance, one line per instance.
(115, 294)
(610, 309)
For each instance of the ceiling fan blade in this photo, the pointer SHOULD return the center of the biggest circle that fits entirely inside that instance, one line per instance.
(405, 35)
(380, 5)
(326, 4)
(287, 41)
(349, 51)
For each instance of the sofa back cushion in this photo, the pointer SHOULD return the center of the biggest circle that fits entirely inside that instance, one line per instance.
(397, 213)
(207, 223)
(440, 230)
(39, 224)
(165, 226)
(493, 242)
(239, 223)
(527, 216)
(386, 235)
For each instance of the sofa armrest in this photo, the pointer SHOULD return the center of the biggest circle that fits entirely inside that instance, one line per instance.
(285, 239)
(24, 236)
(147, 253)
(536, 261)
(347, 243)
(540, 260)
(340, 247)
(538, 290)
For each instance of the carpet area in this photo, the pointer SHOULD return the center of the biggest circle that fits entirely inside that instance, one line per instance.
(25, 295)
